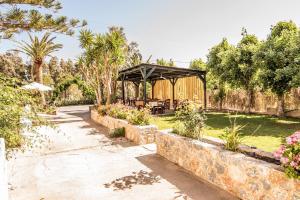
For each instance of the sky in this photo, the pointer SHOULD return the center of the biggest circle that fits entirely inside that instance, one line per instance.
(180, 30)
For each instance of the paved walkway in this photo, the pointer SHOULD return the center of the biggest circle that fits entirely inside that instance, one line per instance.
(82, 163)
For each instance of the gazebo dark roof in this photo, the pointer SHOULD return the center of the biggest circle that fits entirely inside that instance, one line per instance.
(157, 72)
(150, 72)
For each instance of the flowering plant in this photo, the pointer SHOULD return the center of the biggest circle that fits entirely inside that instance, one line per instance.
(289, 155)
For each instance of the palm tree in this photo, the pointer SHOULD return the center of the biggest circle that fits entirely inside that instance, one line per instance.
(38, 50)
(107, 54)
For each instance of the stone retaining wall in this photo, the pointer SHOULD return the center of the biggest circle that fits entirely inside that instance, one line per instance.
(137, 134)
(3, 172)
(243, 176)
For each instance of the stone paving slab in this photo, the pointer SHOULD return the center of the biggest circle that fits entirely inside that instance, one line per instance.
(82, 163)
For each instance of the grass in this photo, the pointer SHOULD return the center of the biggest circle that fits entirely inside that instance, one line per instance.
(263, 132)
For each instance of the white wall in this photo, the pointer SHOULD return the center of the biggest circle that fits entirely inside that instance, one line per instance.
(3, 172)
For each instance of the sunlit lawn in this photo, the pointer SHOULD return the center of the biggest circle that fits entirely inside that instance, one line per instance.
(261, 131)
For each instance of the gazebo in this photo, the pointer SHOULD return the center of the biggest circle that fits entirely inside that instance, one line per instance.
(144, 73)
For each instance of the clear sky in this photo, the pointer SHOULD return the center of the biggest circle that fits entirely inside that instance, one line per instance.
(177, 29)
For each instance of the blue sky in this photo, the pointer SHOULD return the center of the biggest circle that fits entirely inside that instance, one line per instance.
(177, 29)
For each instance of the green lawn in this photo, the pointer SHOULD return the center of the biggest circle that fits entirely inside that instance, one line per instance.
(270, 131)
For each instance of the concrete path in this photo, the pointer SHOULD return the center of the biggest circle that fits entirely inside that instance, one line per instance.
(82, 163)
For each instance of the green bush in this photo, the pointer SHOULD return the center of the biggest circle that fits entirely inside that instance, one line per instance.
(232, 136)
(139, 117)
(118, 111)
(190, 121)
(14, 116)
(118, 132)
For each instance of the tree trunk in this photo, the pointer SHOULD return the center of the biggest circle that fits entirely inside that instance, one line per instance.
(280, 106)
(99, 95)
(220, 104)
(108, 89)
(249, 100)
(38, 77)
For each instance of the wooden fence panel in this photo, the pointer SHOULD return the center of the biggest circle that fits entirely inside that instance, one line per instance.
(190, 88)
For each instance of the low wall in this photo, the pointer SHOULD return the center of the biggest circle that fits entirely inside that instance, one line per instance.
(137, 134)
(243, 176)
(3, 172)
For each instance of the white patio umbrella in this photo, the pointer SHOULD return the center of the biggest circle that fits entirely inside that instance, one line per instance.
(37, 86)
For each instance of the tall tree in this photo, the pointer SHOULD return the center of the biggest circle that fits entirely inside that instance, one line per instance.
(12, 65)
(38, 50)
(242, 66)
(134, 56)
(217, 67)
(15, 17)
(279, 60)
(54, 68)
(106, 53)
(197, 64)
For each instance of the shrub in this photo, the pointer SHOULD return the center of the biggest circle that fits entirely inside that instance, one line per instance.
(15, 117)
(289, 155)
(231, 136)
(139, 117)
(118, 132)
(118, 111)
(103, 110)
(190, 121)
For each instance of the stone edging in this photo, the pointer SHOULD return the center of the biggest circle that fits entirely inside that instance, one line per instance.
(246, 177)
(137, 134)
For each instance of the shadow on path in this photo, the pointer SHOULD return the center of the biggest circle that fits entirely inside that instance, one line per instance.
(187, 184)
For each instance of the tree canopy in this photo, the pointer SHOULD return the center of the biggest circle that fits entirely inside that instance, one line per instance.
(278, 58)
(15, 17)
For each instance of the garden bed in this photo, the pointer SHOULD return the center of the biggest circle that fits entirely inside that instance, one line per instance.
(243, 176)
(137, 134)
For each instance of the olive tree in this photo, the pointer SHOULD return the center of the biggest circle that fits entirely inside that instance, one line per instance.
(278, 60)
(242, 67)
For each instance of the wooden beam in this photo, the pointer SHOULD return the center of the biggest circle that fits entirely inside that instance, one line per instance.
(123, 90)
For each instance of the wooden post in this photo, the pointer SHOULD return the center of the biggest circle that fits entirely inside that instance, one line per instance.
(123, 90)
(204, 91)
(203, 79)
(145, 85)
(173, 82)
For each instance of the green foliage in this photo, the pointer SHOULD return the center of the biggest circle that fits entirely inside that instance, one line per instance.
(163, 62)
(11, 64)
(231, 135)
(139, 117)
(118, 132)
(88, 92)
(289, 155)
(198, 64)
(13, 113)
(15, 18)
(278, 58)
(101, 60)
(268, 137)
(190, 121)
(118, 111)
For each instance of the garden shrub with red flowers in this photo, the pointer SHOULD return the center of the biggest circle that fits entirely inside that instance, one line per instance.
(289, 155)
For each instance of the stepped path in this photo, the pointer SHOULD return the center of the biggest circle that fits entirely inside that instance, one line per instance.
(79, 162)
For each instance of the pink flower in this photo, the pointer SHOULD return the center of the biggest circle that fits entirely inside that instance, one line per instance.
(294, 164)
(284, 160)
(293, 139)
(279, 152)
